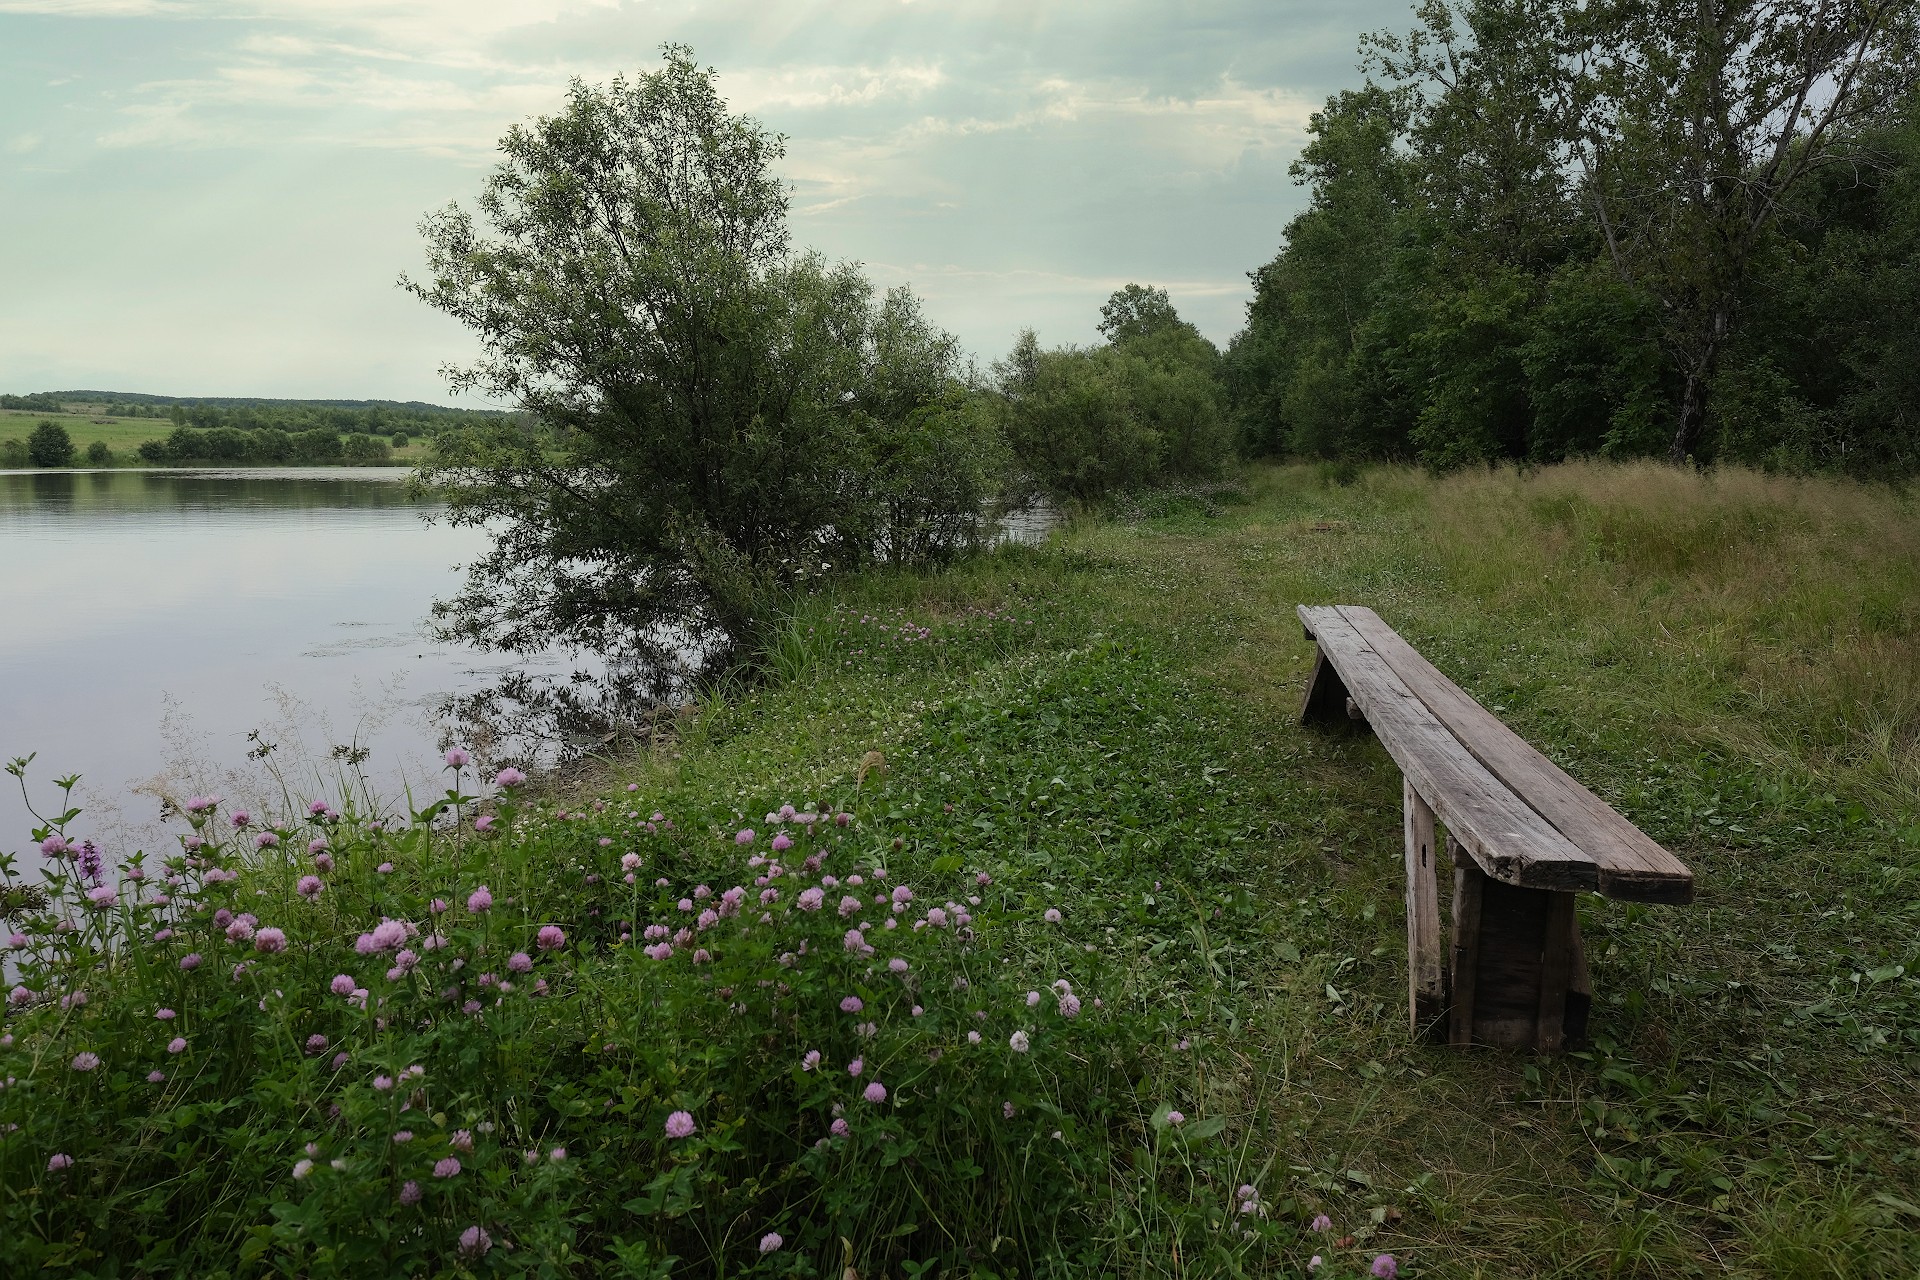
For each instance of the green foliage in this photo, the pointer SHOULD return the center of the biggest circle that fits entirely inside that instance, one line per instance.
(13, 453)
(1147, 407)
(365, 449)
(1520, 245)
(725, 414)
(49, 445)
(99, 455)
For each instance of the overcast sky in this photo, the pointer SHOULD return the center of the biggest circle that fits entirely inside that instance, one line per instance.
(214, 197)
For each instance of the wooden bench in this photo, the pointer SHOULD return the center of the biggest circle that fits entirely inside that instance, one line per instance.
(1522, 836)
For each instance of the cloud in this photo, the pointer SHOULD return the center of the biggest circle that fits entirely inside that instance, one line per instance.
(22, 143)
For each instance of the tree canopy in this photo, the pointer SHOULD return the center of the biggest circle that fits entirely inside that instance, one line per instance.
(726, 417)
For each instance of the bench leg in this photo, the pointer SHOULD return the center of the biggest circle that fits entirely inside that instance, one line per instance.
(1468, 880)
(1426, 992)
(1519, 972)
(1327, 700)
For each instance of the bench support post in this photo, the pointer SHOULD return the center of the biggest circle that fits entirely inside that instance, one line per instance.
(1519, 970)
(1426, 989)
(1327, 699)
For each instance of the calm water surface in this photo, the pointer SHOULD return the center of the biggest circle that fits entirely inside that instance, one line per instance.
(150, 621)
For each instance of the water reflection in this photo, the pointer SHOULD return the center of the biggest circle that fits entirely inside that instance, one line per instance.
(160, 617)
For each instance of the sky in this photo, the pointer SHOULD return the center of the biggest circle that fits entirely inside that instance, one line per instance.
(216, 197)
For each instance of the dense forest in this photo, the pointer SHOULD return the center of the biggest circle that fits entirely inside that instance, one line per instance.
(1547, 229)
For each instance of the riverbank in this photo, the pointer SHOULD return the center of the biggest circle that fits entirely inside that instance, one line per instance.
(1102, 729)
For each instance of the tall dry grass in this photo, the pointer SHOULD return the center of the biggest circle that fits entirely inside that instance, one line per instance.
(1769, 616)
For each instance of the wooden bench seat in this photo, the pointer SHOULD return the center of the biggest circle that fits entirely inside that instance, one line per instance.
(1522, 836)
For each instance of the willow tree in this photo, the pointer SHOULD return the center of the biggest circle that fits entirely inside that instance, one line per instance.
(709, 408)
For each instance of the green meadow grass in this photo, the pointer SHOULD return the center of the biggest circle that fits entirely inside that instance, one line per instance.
(1731, 659)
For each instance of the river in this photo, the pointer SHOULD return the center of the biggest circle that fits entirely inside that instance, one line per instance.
(155, 620)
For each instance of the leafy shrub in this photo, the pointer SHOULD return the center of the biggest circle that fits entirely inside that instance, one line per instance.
(321, 444)
(399, 440)
(270, 444)
(154, 451)
(99, 454)
(50, 446)
(358, 447)
(13, 453)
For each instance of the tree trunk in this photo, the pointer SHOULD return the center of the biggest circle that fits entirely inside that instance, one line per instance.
(1693, 397)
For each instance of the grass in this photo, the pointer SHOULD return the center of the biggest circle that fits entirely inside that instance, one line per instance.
(1730, 658)
(125, 435)
(1107, 725)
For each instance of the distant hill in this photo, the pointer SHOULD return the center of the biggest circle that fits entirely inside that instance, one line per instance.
(51, 399)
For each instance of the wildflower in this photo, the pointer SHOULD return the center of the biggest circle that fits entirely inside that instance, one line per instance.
(339, 1061)
(1315, 1262)
(839, 1128)
(520, 962)
(241, 930)
(1384, 1267)
(917, 1011)
(462, 1140)
(342, 984)
(309, 887)
(483, 824)
(680, 1125)
(509, 777)
(410, 1192)
(177, 1045)
(973, 1037)
(316, 1044)
(1321, 1222)
(744, 837)
(240, 819)
(771, 1242)
(103, 895)
(1247, 1193)
(265, 840)
(902, 894)
(155, 1077)
(937, 917)
(1033, 998)
(897, 965)
(164, 1015)
(1052, 916)
(301, 1168)
(479, 900)
(1018, 1042)
(557, 1155)
(658, 951)
(852, 1004)
(875, 1093)
(458, 758)
(983, 879)
(85, 1061)
(59, 1160)
(446, 1167)
(474, 1241)
(1069, 1005)
(383, 1083)
(270, 940)
(1006, 1110)
(811, 1061)
(810, 899)
(1175, 1117)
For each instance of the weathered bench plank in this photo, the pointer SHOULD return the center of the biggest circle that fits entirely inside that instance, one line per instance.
(1630, 864)
(1510, 841)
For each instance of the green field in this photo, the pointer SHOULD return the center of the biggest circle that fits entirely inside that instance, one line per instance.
(125, 435)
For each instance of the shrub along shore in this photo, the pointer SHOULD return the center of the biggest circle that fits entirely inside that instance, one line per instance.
(717, 1010)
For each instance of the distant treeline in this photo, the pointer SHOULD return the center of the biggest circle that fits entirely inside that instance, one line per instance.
(1555, 228)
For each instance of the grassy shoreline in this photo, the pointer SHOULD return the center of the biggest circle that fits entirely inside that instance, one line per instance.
(1105, 726)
